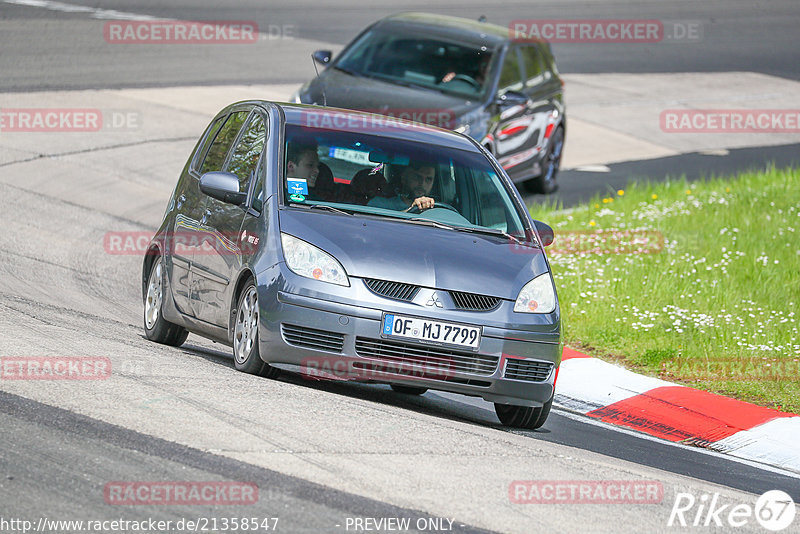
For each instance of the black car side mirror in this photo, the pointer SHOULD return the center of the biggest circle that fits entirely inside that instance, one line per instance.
(545, 233)
(511, 98)
(223, 186)
(323, 57)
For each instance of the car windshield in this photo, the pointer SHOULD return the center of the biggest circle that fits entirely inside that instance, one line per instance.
(382, 176)
(425, 61)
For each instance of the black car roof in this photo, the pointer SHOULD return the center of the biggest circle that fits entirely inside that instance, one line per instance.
(454, 27)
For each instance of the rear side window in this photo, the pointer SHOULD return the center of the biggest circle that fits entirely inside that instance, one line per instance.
(215, 158)
(511, 75)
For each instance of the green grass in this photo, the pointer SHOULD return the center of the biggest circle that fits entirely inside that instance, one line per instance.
(714, 308)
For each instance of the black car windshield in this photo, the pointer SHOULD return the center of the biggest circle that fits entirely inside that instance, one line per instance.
(383, 176)
(419, 60)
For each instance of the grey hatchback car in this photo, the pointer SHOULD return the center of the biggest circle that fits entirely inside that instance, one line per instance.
(349, 246)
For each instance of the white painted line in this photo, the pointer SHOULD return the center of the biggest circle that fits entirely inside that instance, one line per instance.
(94, 12)
(592, 168)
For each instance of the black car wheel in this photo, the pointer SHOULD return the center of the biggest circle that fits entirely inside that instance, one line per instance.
(246, 357)
(408, 390)
(156, 328)
(546, 183)
(523, 416)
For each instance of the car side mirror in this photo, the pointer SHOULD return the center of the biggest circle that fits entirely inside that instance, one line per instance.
(323, 57)
(511, 98)
(545, 232)
(223, 186)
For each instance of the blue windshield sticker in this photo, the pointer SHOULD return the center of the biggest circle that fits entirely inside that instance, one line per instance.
(388, 323)
(297, 186)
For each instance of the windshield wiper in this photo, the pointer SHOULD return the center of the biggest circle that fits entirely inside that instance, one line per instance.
(491, 231)
(327, 208)
(471, 229)
(431, 222)
(349, 71)
(412, 85)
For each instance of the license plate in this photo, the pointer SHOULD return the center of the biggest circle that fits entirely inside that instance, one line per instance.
(427, 331)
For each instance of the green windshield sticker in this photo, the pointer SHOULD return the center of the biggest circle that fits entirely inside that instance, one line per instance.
(297, 198)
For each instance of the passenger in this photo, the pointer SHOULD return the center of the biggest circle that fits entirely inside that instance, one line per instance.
(416, 182)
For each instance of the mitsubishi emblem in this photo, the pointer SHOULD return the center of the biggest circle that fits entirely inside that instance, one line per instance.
(434, 301)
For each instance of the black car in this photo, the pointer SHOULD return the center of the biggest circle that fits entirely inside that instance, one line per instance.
(464, 75)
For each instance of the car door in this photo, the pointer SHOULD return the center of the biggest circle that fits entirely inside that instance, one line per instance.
(221, 257)
(544, 91)
(188, 203)
(512, 126)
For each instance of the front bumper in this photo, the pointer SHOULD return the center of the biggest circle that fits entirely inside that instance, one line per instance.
(324, 339)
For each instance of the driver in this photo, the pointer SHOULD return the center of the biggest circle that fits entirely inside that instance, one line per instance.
(416, 182)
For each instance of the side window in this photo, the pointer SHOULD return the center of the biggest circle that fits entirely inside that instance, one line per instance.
(532, 61)
(211, 133)
(245, 156)
(215, 158)
(510, 75)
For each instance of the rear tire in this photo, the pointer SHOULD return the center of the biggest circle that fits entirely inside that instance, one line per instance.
(408, 390)
(156, 328)
(246, 356)
(551, 162)
(523, 416)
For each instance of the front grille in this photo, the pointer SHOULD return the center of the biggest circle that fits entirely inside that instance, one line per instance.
(392, 290)
(310, 338)
(473, 302)
(529, 370)
(441, 361)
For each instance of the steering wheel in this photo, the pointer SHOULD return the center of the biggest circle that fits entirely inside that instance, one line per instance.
(466, 79)
(416, 209)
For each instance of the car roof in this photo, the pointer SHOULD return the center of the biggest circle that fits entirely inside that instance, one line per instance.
(453, 27)
(348, 120)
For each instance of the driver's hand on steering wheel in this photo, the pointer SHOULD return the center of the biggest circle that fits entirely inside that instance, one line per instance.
(422, 203)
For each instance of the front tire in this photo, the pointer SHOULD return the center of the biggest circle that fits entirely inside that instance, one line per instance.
(156, 328)
(551, 163)
(246, 356)
(523, 416)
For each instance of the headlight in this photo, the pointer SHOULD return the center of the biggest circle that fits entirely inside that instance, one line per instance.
(307, 260)
(537, 296)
